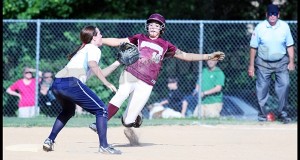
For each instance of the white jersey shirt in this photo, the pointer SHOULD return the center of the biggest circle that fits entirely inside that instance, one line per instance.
(78, 66)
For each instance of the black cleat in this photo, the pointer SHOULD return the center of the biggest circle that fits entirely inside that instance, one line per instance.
(283, 117)
(262, 118)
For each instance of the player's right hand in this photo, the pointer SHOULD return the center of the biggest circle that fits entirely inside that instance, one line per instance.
(251, 71)
(215, 56)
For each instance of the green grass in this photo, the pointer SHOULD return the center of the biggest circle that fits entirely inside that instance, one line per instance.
(84, 121)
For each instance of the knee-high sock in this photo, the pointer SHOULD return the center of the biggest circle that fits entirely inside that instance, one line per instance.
(112, 110)
(101, 123)
(59, 123)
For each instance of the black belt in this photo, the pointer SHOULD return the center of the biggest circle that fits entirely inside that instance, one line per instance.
(273, 60)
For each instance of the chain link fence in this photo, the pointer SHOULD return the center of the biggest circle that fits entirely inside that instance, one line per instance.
(44, 45)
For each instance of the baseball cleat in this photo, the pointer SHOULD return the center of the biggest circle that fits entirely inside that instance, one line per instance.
(48, 145)
(262, 118)
(93, 127)
(138, 121)
(109, 150)
(284, 118)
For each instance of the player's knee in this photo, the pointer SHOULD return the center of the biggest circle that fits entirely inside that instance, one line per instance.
(100, 113)
(69, 113)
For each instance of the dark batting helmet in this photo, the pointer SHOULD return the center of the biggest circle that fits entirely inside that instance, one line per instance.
(159, 18)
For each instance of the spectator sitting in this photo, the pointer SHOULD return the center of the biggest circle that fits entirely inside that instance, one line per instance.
(158, 111)
(190, 102)
(47, 102)
(213, 80)
(172, 102)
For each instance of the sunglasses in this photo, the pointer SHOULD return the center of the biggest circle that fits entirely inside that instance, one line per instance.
(27, 72)
(48, 77)
(272, 13)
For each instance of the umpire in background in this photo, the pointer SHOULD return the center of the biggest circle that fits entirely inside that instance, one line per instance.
(273, 41)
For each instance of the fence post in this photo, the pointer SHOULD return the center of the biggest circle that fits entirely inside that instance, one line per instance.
(200, 68)
(38, 30)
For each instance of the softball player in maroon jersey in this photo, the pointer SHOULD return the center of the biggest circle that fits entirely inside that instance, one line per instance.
(137, 80)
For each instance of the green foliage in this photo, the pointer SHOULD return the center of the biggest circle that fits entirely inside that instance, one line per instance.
(10, 35)
(30, 9)
(13, 7)
(70, 36)
(136, 9)
(101, 90)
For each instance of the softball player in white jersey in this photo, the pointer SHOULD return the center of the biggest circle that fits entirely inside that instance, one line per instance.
(69, 89)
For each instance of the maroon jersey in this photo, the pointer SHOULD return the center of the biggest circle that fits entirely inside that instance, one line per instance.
(152, 53)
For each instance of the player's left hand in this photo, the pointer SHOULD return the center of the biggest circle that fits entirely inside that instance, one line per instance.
(111, 87)
(216, 56)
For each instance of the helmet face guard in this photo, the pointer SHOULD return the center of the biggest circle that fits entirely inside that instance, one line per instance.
(158, 18)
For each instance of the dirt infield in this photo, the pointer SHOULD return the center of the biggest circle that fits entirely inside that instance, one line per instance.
(195, 142)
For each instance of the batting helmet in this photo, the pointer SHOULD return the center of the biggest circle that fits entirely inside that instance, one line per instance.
(159, 18)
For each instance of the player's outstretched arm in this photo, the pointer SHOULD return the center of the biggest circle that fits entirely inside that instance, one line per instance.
(199, 57)
(114, 42)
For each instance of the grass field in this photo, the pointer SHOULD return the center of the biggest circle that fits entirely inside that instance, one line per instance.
(83, 121)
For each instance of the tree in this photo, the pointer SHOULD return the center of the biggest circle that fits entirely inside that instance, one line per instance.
(37, 9)
(137, 9)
